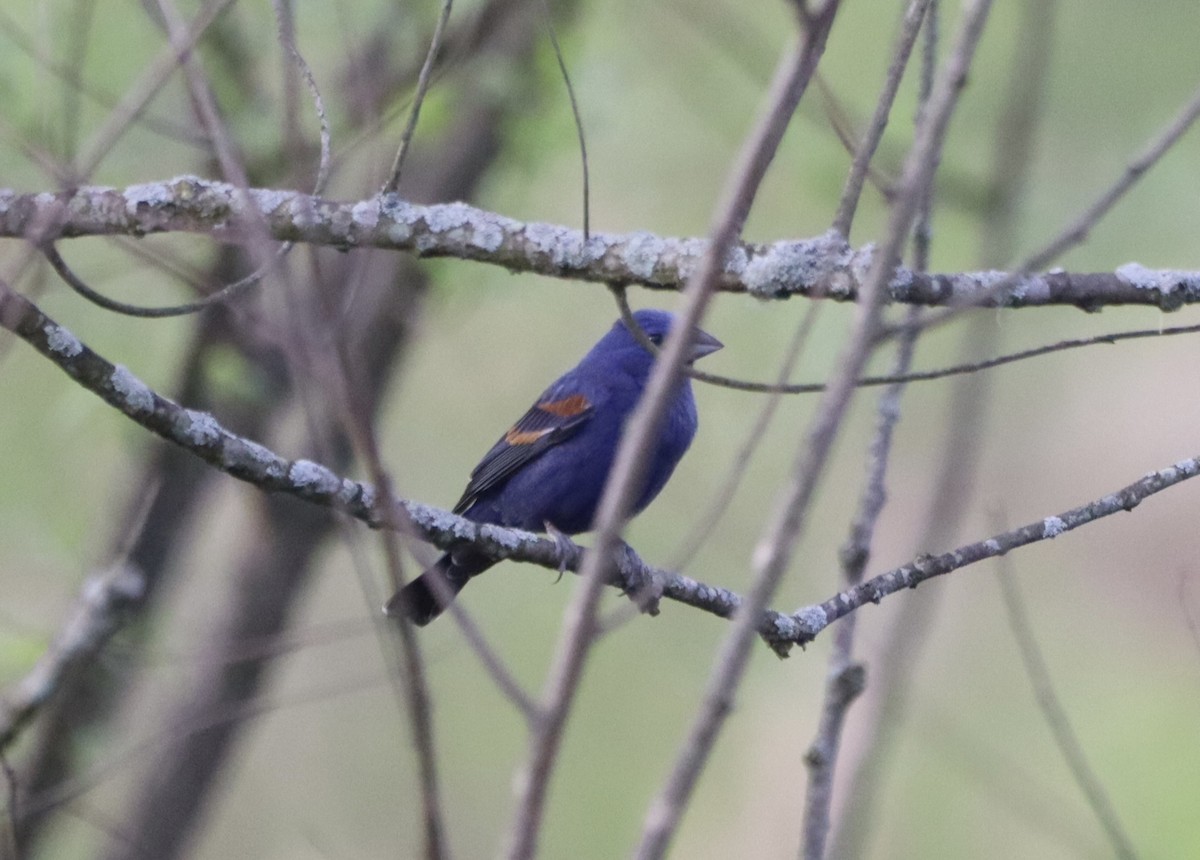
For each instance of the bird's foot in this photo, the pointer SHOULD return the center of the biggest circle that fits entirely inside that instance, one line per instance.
(640, 583)
(565, 546)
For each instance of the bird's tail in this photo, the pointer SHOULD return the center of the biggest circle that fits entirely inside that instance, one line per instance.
(422, 600)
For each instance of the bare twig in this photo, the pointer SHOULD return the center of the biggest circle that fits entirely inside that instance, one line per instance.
(235, 288)
(287, 39)
(912, 326)
(226, 293)
(407, 664)
(1077, 231)
(705, 522)
(416, 687)
(666, 810)
(865, 151)
(775, 549)
(900, 656)
(579, 631)
(138, 97)
(583, 155)
(414, 112)
(1056, 716)
(846, 677)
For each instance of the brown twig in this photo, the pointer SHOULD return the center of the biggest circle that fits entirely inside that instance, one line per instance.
(579, 631)
(1055, 715)
(414, 111)
(666, 810)
(865, 151)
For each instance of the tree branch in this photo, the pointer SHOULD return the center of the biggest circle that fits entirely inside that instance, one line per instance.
(818, 267)
(201, 434)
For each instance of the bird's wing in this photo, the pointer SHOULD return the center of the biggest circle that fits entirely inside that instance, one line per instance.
(557, 416)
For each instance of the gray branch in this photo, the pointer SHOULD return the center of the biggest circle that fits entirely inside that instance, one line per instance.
(820, 267)
(201, 434)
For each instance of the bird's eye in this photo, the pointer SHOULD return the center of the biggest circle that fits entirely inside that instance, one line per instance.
(656, 339)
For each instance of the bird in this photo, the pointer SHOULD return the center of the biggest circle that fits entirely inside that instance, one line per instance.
(548, 471)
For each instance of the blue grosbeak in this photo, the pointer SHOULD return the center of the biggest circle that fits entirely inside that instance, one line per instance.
(548, 471)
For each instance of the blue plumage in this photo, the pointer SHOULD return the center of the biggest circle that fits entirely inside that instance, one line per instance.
(549, 469)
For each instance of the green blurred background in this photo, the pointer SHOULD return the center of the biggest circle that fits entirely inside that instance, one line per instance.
(666, 93)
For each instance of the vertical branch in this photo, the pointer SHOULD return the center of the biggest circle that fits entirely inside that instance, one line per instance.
(852, 191)
(702, 530)
(334, 397)
(414, 113)
(580, 628)
(411, 681)
(583, 155)
(9, 847)
(1056, 716)
(416, 687)
(775, 551)
(900, 656)
(666, 810)
(846, 678)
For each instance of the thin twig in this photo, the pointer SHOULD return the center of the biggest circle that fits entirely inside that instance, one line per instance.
(900, 656)
(1056, 716)
(408, 669)
(236, 288)
(775, 550)
(846, 678)
(423, 79)
(666, 810)
(1077, 231)
(865, 151)
(10, 848)
(138, 97)
(416, 687)
(966, 368)
(583, 155)
(224, 294)
(702, 529)
(758, 150)
(287, 39)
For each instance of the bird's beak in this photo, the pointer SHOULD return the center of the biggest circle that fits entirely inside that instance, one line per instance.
(702, 344)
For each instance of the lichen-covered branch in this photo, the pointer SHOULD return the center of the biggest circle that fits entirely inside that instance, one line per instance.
(926, 567)
(89, 625)
(201, 434)
(822, 266)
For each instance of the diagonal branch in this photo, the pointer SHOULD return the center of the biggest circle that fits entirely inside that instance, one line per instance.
(201, 434)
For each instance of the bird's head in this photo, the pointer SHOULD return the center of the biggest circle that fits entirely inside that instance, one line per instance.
(620, 343)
